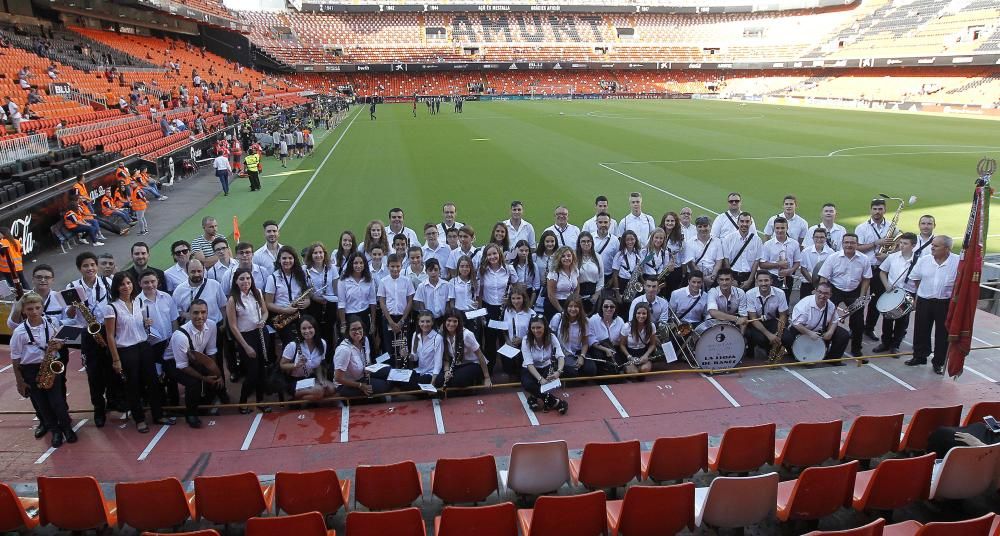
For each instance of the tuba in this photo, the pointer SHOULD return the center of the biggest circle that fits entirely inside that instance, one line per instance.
(50, 367)
(634, 286)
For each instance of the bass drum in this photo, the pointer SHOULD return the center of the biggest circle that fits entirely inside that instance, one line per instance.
(808, 349)
(895, 303)
(719, 345)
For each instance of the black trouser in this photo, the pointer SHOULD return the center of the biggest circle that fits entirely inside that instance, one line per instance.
(610, 365)
(550, 310)
(379, 386)
(193, 388)
(857, 319)
(105, 384)
(835, 348)
(740, 278)
(511, 365)
(141, 381)
(388, 335)
(110, 224)
(931, 314)
(493, 337)
(466, 375)
(576, 366)
(417, 379)
(254, 179)
(877, 288)
(784, 284)
(673, 281)
(587, 291)
(893, 331)
(254, 369)
(805, 289)
(50, 404)
(758, 339)
(534, 388)
(326, 315)
(169, 384)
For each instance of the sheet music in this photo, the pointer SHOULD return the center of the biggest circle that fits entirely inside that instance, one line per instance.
(546, 387)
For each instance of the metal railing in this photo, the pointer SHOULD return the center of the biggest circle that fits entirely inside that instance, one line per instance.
(20, 148)
(96, 126)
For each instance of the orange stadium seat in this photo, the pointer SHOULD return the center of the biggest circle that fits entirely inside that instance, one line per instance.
(74, 503)
(14, 511)
(895, 483)
(405, 522)
(318, 491)
(925, 421)
(872, 436)
(232, 498)
(173, 506)
(305, 524)
(743, 449)
(817, 492)
(809, 444)
(652, 510)
(872, 529)
(607, 465)
(464, 480)
(675, 458)
(494, 520)
(387, 487)
(574, 515)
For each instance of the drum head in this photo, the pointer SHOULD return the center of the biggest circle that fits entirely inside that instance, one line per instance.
(809, 350)
(890, 300)
(719, 346)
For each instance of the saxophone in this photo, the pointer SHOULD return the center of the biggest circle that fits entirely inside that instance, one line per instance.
(50, 367)
(891, 231)
(778, 350)
(634, 286)
(667, 268)
(283, 319)
(93, 326)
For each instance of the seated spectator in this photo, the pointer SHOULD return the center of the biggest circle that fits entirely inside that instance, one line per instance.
(179, 125)
(976, 434)
(122, 103)
(52, 71)
(34, 97)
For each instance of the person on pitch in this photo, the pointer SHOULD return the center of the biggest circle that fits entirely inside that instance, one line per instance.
(766, 308)
(872, 238)
(701, 252)
(728, 222)
(797, 226)
(637, 221)
(740, 251)
(934, 275)
(828, 222)
(816, 316)
(849, 272)
(781, 256)
(543, 363)
(728, 302)
(813, 254)
(895, 274)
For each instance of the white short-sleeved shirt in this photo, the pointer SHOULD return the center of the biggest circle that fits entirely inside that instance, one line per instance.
(351, 360)
(410, 234)
(493, 283)
(566, 236)
(590, 226)
(355, 295)
(726, 223)
(642, 225)
(441, 253)
(592, 271)
(797, 226)
(895, 266)
(606, 247)
(766, 307)
(846, 273)
(772, 251)
(811, 257)
(258, 274)
(209, 290)
(284, 288)
(565, 284)
(682, 300)
(219, 270)
(733, 243)
(129, 329)
(540, 357)
(869, 232)
(937, 281)
(434, 297)
(636, 343)
(476, 254)
(517, 322)
(658, 260)
(734, 304)
(525, 232)
(463, 294)
(396, 292)
(204, 342)
(807, 313)
(471, 346)
(528, 276)
(162, 310)
(175, 275)
(249, 316)
(625, 263)
(324, 282)
(598, 331)
(265, 259)
(658, 307)
(576, 337)
(702, 254)
(30, 349)
(429, 351)
(313, 358)
(834, 235)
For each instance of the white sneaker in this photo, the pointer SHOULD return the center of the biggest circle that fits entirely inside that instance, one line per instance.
(98, 243)
(84, 240)
(163, 198)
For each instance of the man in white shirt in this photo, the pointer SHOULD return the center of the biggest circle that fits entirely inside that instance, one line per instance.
(872, 236)
(657, 304)
(728, 221)
(849, 273)
(769, 307)
(797, 225)
(688, 229)
(934, 276)
(689, 302)
(222, 171)
(244, 258)
(395, 300)
(600, 206)
(895, 273)
(816, 252)
(177, 273)
(433, 248)
(605, 244)
(834, 231)
(448, 212)
(396, 227)
(702, 251)
(926, 225)
(466, 237)
(432, 294)
(226, 262)
(518, 228)
(636, 220)
(728, 302)
(781, 257)
(196, 287)
(815, 316)
(267, 255)
(740, 251)
(566, 233)
(196, 374)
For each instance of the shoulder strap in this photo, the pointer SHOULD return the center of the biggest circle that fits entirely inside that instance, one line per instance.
(190, 340)
(742, 249)
(704, 251)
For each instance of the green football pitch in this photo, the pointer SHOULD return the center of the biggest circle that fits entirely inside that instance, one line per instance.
(546, 153)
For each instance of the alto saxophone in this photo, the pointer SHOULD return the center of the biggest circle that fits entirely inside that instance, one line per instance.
(778, 350)
(283, 319)
(634, 286)
(50, 367)
(667, 269)
(890, 233)
(93, 326)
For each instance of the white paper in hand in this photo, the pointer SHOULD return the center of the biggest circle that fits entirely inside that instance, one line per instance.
(427, 387)
(376, 367)
(307, 383)
(546, 387)
(475, 314)
(382, 358)
(508, 351)
(400, 375)
(497, 324)
(668, 351)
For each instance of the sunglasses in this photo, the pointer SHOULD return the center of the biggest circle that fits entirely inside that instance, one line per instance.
(182, 251)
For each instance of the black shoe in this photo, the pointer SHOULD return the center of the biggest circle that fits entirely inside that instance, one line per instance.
(857, 353)
(57, 439)
(99, 420)
(864, 361)
(939, 370)
(224, 397)
(193, 421)
(881, 349)
(562, 407)
(165, 421)
(41, 430)
(70, 436)
(534, 404)
(895, 350)
(837, 364)
(914, 362)
(871, 335)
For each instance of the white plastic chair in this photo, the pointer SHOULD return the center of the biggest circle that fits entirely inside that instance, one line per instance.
(537, 468)
(965, 472)
(731, 502)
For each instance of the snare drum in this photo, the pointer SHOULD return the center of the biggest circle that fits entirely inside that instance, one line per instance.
(808, 349)
(719, 344)
(895, 303)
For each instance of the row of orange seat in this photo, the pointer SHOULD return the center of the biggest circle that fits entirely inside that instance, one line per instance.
(76, 503)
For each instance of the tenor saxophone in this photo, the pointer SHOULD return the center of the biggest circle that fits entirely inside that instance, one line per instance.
(891, 231)
(50, 367)
(283, 319)
(634, 286)
(93, 326)
(778, 350)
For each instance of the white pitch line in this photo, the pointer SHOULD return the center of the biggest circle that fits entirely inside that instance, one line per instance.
(787, 157)
(345, 422)
(318, 169)
(980, 374)
(834, 153)
(531, 414)
(614, 401)
(8, 367)
(438, 417)
(153, 442)
(806, 381)
(252, 431)
(671, 194)
(893, 378)
(41, 459)
(722, 390)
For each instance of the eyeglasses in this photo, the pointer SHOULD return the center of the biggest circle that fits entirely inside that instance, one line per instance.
(608, 306)
(731, 201)
(182, 252)
(219, 250)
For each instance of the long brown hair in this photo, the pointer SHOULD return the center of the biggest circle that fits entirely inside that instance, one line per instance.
(564, 321)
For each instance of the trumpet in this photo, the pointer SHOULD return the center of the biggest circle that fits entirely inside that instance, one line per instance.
(50, 366)
(283, 319)
(93, 326)
(399, 345)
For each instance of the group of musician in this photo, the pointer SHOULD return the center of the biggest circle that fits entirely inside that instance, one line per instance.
(389, 312)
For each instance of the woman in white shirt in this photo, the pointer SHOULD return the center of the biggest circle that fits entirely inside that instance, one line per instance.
(588, 262)
(464, 292)
(638, 340)
(348, 247)
(246, 314)
(427, 354)
(374, 237)
(305, 358)
(495, 280)
(547, 246)
(353, 354)
(322, 275)
(543, 363)
(464, 363)
(626, 261)
(499, 237)
(283, 289)
(516, 315)
(130, 355)
(603, 332)
(563, 280)
(674, 244)
(570, 327)
(356, 296)
(525, 271)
